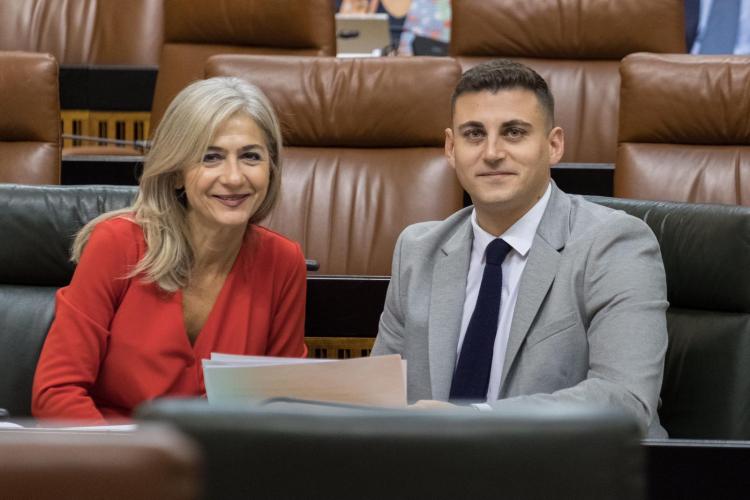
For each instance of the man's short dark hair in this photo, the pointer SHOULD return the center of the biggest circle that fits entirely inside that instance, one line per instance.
(504, 74)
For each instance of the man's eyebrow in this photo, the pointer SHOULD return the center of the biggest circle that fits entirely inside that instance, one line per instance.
(470, 124)
(516, 123)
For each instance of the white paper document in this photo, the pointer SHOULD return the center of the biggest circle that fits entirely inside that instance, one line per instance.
(218, 359)
(374, 381)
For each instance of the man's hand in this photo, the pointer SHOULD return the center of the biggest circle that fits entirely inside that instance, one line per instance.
(431, 404)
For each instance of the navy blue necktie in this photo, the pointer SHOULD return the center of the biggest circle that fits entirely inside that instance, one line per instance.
(472, 375)
(692, 18)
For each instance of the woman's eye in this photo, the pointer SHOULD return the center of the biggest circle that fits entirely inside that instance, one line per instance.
(252, 156)
(211, 157)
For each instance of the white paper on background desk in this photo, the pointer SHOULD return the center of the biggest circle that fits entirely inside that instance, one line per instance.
(374, 381)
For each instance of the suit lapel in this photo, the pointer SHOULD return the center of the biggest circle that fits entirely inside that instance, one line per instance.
(446, 308)
(539, 273)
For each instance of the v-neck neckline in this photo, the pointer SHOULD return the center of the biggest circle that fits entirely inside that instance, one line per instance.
(179, 297)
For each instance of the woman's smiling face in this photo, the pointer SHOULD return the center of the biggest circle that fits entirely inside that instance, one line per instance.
(231, 181)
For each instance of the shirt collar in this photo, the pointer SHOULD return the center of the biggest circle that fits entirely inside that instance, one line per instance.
(520, 235)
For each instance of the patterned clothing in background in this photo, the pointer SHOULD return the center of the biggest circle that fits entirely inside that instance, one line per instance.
(429, 18)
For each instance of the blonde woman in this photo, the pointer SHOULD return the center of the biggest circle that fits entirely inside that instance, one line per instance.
(183, 272)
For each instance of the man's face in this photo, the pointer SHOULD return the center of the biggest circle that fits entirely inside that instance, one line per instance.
(501, 148)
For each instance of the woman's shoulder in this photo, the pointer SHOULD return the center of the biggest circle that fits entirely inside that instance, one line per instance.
(272, 250)
(275, 242)
(114, 244)
(118, 235)
(118, 229)
(273, 258)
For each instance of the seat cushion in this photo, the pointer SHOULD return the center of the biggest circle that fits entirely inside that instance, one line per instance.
(26, 314)
(707, 375)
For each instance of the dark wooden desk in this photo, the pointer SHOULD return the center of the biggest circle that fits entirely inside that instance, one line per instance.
(93, 169)
(683, 469)
(584, 178)
(107, 88)
(111, 102)
(344, 306)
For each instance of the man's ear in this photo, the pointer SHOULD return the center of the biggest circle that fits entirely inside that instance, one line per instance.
(449, 147)
(556, 139)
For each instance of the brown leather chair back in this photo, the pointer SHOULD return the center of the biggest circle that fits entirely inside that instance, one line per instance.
(197, 29)
(149, 463)
(87, 32)
(30, 119)
(576, 46)
(363, 151)
(684, 129)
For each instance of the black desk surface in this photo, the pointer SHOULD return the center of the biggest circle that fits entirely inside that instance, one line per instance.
(681, 469)
(94, 169)
(344, 306)
(107, 88)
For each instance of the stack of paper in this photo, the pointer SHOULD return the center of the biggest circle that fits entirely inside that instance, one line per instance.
(374, 381)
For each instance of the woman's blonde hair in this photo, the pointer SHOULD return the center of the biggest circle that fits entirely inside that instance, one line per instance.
(180, 140)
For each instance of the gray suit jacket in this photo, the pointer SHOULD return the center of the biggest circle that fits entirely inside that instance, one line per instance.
(589, 324)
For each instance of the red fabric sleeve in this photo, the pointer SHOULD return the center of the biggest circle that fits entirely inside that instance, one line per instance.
(288, 327)
(77, 340)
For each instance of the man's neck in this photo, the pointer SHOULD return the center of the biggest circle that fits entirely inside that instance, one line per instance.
(496, 222)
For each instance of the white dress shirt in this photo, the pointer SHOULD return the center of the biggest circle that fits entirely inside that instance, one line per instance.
(743, 30)
(520, 237)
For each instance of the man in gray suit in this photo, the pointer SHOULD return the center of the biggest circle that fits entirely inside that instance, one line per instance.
(531, 296)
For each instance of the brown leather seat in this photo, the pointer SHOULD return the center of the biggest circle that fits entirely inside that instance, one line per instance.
(150, 463)
(86, 32)
(194, 30)
(576, 46)
(684, 129)
(363, 151)
(30, 119)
